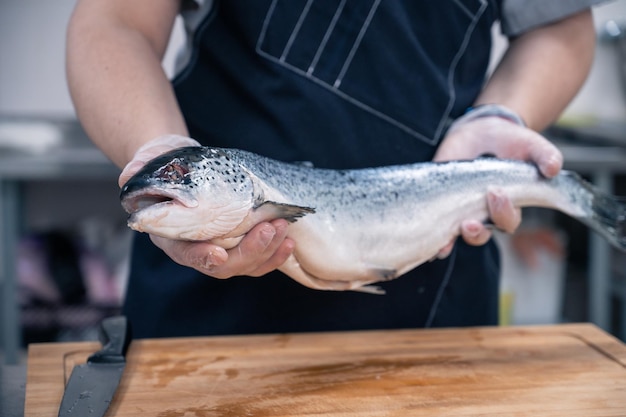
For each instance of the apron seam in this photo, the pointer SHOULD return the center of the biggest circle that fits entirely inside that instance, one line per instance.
(445, 117)
(444, 284)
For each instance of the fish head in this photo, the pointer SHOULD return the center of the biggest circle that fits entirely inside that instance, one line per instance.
(192, 193)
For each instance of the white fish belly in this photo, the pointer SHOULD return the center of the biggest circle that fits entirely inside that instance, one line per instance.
(382, 248)
(398, 238)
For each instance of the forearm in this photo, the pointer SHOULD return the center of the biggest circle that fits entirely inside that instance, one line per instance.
(543, 69)
(120, 92)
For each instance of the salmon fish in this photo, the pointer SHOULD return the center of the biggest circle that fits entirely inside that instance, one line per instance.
(352, 228)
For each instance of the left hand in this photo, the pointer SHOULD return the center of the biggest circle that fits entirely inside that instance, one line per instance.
(501, 138)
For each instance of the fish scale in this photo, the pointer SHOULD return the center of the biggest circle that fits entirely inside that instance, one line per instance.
(352, 228)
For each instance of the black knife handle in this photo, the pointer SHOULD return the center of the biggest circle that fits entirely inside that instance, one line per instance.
(115, 337)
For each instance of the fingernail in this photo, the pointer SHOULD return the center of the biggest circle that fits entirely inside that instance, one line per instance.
(551, 166)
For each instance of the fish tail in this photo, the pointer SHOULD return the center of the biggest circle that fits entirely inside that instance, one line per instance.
(607, 216)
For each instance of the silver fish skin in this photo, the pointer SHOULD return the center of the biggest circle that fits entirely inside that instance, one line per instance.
(352, 228)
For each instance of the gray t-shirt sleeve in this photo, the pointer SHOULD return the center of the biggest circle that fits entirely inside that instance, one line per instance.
(519, 16)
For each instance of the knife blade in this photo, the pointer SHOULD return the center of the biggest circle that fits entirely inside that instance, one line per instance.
(92, 385)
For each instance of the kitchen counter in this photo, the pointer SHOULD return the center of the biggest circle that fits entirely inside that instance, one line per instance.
(563, 370)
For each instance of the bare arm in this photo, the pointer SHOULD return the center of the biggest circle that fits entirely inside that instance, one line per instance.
(543, 70)
(121, 94)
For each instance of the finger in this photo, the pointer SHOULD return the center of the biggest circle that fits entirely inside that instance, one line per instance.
(262, 250)
(528, 145)
(502, 212)
(279, 257)
(199, 255)
(255, 251)
(546, 155)
(515, 142)
(475, 233)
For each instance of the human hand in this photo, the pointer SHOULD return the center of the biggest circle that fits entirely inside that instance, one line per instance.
(263, 249)
(502, 138)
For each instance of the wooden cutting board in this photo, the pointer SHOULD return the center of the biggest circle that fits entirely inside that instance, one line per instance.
(564, 370)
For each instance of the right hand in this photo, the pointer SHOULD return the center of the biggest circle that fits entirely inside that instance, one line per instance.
(263, 249)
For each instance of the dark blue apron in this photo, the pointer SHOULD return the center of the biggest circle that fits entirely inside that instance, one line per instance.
(342, 84)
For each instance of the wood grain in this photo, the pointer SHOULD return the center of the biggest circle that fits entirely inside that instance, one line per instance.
(565, 370)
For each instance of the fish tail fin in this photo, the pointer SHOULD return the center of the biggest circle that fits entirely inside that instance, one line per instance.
(608, 217)
(601, 211)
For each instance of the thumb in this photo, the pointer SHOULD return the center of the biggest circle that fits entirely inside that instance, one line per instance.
(548, 158)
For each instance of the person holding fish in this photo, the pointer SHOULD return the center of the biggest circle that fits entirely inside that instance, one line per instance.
(341, 84)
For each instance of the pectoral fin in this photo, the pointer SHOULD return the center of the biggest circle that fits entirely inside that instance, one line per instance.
(289, 212)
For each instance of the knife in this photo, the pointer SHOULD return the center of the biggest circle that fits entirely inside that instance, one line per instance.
(92, 385)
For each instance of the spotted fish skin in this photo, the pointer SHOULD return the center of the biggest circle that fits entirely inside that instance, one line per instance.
(352, 228)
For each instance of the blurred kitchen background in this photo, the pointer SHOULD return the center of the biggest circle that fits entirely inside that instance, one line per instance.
(64, 244)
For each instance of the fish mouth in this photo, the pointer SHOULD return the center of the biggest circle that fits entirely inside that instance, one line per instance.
(139, 200)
